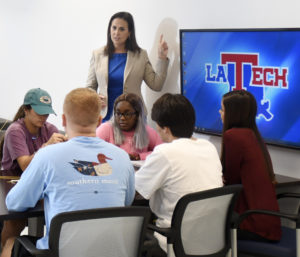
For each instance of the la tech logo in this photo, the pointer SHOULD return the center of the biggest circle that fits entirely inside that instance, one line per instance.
(242, 71)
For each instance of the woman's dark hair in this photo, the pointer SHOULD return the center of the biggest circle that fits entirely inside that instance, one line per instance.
(20, 114)
(240, 110)
(175, 112)
(140, 137)
(131, 43)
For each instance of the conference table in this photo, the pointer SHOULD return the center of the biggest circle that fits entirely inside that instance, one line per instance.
(283, 181)
(35, 215)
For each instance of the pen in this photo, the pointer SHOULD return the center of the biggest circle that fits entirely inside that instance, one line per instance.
(13, 181)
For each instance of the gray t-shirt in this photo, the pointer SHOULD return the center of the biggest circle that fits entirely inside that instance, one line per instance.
(19, 142)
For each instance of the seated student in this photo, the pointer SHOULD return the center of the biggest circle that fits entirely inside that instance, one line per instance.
(29, 132)
(128, 128)
(58, 172)
(180, 166)
(246, 161)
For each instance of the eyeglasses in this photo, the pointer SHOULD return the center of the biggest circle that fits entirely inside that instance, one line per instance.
(126, 115)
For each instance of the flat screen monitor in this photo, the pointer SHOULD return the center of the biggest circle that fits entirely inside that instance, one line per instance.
(265, 62)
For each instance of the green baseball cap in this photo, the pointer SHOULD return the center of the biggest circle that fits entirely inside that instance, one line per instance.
(39, 100)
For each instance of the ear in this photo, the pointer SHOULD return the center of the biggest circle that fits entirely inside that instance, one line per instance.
(25, 111)
(64, 120)
(99, 121)
(167, 130)
(168, 133)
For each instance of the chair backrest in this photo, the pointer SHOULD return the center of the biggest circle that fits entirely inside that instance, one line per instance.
(201, 222)
(2, 133)
(110, 232)
(4, 124)
(288, 205)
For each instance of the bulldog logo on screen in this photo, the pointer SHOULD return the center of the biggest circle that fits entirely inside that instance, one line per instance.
(93, 168)
(242, 71)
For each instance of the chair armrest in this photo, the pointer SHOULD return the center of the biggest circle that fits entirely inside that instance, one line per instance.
(30, 247)
(244, 215)
(288, 195)
(167, 232)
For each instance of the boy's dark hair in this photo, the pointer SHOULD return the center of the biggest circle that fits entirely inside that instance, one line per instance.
(175, 112)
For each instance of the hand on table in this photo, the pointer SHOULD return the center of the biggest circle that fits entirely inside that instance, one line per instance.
(134, 156)
(56, 138)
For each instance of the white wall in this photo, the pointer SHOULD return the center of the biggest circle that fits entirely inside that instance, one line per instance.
(48, 44)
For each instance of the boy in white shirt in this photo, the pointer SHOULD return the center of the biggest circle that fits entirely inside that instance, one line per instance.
(181, 165)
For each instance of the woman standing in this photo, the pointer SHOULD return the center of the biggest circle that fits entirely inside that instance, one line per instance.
(246, 161)
(121, 66)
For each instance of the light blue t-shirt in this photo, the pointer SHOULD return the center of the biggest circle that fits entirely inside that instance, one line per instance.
(82, 173)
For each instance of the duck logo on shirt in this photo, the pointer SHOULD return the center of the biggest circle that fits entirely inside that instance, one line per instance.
(93, 168)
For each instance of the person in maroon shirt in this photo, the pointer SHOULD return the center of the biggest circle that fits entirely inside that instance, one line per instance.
(246, 161)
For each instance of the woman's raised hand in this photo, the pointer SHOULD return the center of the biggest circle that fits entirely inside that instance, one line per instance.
(162, 48)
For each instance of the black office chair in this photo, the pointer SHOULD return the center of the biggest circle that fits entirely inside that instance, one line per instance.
(4, 124)
(105, 232)
(201, 223)
(289, 205)
(288, 246)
